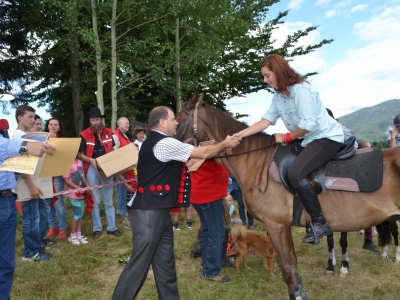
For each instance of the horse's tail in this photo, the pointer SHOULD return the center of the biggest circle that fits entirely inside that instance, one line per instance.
(384, 237)
(239, 231)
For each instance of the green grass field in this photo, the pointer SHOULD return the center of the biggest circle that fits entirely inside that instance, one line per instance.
(91, 271)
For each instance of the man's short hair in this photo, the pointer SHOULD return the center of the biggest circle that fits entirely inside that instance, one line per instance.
(22, 109)
(120, 120)
(37, 117)
(156, 114)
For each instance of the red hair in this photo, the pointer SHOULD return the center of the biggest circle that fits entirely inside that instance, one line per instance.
(285, 75)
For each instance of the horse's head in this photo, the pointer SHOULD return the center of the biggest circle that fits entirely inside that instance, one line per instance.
(191, 126)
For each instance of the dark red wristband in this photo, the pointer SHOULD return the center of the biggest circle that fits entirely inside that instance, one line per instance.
(286, 138)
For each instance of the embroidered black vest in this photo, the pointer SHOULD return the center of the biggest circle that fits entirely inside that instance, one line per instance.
(160, 184)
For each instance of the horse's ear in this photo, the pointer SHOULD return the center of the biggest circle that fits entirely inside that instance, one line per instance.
(194, 99)
(201, 101)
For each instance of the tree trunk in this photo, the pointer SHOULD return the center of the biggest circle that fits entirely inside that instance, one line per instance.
(99, 67)
(114, 104)
(177, 68)
(76, 92)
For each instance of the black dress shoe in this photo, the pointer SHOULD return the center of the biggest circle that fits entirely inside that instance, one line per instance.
(96, 234)
(115, 233)
(227, 264)
(369, 245)
(194, 254)
(317, 232)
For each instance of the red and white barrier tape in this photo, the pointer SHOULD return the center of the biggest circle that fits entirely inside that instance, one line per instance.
(86, 188)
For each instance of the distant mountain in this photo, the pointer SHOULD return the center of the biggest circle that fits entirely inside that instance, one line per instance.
(371, 123)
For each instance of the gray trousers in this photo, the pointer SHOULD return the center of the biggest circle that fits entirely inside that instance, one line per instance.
(152, 243)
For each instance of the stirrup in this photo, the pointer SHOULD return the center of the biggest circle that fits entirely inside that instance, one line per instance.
(317, 232)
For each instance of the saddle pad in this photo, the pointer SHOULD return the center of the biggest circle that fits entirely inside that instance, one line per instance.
(365, 168)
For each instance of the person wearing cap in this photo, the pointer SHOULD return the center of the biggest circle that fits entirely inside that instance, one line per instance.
(96, 141)
(163, 182)
(121, 140)
(8, 211)
(394, 136)
(139, 134)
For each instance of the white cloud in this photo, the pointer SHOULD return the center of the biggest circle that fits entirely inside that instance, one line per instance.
(359, 7)
(330, 13)
(322, 2)
(367, 75)
(381, 28)
(295, 4)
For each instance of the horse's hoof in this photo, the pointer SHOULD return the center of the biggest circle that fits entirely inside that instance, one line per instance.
(329, 273)
(396, 260)
(343, 272)
(384, 257)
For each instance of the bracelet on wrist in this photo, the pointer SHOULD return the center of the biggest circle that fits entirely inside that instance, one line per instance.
(286, 138)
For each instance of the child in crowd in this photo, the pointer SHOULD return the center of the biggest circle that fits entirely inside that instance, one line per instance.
(74, 180)
(232, 211)
(140, 136)
(175, 217)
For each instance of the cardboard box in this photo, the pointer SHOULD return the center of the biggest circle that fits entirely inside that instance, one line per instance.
(117, 162)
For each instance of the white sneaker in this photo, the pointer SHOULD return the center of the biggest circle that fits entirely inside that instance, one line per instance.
(74, 241)
(83, 239)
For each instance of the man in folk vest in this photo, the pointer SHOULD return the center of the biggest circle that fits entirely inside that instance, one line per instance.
(97, 141)
(163, 182)
(121, 140)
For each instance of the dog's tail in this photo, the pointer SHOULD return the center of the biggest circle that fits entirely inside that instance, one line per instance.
(239, 231)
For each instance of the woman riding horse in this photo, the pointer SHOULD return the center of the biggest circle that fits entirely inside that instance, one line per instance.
(304, 116)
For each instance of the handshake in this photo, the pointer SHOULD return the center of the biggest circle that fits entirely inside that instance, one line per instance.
(232, 141)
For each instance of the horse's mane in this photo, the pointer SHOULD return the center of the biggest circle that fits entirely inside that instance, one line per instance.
(228, 126)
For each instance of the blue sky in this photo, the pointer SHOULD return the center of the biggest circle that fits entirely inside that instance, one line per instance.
(361, 68)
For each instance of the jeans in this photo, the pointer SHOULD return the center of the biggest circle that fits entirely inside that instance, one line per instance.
(94, 179)
(35, 214)
(121, 198)
(237, 194)
(8, 227)
(59, 207)
(211, 218)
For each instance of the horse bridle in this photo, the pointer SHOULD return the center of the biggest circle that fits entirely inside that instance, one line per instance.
(191, 114)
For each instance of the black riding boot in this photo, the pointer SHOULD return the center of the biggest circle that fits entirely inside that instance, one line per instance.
(319, 226)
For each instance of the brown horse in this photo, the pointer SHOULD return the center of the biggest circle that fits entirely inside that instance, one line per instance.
(346, 211)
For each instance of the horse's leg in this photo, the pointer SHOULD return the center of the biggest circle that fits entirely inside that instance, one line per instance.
(330, 271)
(281, 237)
(345, 265)
(395, 233)
(384, 238)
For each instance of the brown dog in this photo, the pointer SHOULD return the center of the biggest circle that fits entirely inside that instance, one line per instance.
(249, 241)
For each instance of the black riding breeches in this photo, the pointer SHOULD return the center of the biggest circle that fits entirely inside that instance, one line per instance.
(314, 155)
